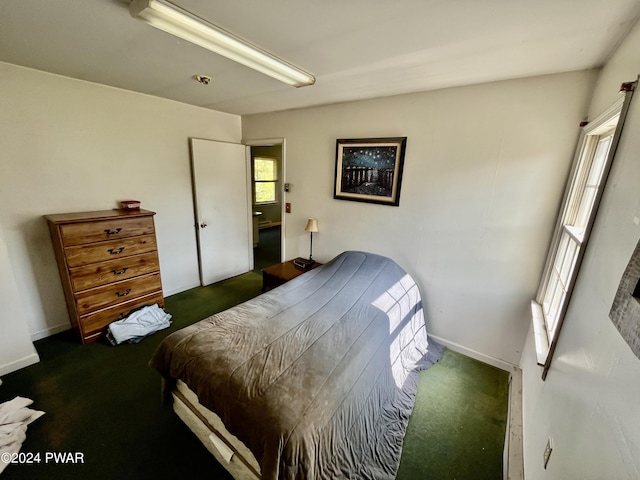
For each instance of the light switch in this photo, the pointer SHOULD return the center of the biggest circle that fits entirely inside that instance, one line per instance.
(287, 207)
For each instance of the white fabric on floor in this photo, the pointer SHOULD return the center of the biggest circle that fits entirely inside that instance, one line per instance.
(138, 325)
(14, 418)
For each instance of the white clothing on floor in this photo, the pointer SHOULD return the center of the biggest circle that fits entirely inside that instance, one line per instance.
(14, 418)
(138, 325)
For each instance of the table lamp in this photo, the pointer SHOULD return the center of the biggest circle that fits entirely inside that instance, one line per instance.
(312, 226)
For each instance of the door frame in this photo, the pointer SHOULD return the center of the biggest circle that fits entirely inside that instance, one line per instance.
(269, 142)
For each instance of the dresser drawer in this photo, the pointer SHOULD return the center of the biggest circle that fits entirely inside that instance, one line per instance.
(93, 324)
(104, 251)
(97, 274)
(101, 297)
(112, 229)
(108, 263)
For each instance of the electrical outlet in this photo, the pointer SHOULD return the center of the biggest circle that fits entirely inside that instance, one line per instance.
(547, 452)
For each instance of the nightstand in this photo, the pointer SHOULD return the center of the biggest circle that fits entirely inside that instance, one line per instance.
(276, 275)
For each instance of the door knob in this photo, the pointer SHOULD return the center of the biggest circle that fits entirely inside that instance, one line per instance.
(203, 225)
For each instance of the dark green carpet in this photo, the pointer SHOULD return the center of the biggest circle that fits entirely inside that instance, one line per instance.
(267, 252)
(105, 403)
(458, 424)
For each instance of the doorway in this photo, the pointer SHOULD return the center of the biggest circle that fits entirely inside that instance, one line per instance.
(267, 197)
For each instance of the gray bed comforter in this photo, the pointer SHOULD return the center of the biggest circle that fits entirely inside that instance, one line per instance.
(317, 377)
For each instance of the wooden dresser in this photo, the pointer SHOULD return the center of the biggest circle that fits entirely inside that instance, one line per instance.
(108, 262)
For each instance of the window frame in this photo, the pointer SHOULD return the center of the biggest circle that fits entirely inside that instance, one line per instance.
(254, 181)
(546, 339)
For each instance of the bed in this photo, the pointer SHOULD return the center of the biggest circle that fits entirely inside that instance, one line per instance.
(315, 379)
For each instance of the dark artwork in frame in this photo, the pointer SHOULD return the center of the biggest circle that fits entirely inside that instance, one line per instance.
(369, 170)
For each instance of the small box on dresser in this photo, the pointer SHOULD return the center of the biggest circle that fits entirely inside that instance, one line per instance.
(108, 262)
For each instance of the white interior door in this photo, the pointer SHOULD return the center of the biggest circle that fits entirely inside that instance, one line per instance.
(223, 216)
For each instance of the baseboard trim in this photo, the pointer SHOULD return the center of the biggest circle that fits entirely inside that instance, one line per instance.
(269, 225)
(47, 332)
(20, 363)
(488, 359)
(514, 454)
(183, 288)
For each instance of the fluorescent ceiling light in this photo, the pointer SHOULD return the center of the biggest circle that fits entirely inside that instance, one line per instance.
(176, 21)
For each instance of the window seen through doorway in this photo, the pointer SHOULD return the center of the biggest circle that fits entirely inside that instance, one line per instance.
(265, 180)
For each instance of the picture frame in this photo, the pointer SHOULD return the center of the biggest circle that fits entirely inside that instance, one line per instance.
(369, 170)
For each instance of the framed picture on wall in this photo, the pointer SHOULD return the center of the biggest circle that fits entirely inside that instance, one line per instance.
(369, 170)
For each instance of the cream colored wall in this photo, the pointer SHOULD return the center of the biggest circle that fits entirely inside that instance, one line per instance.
(16, 349)
(68, 145)
(589, 403)
(483, 174)
(621, 67)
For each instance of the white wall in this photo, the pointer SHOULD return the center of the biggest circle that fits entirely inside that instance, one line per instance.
(68, 145)
(484, 170)
(16, 349)
(589, 401)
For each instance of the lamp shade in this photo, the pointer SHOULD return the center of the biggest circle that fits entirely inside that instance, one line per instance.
(312, 225)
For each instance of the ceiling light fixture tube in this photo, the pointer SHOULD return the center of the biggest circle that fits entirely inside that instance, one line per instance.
(176, 21)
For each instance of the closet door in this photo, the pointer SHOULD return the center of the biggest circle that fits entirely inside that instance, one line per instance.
(222, 209)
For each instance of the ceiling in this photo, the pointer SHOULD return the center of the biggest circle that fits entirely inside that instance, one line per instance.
(357, 49)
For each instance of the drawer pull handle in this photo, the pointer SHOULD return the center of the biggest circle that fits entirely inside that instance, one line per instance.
(112, 232)
(126, 292)
(115, 251)
(120, 272)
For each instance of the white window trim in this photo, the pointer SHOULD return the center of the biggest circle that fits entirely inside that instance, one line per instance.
(254, 181)
(544, 345)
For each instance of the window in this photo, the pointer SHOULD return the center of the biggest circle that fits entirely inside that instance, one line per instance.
(265, 180)
(584, 189)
